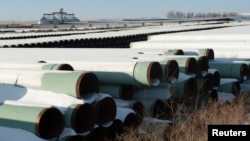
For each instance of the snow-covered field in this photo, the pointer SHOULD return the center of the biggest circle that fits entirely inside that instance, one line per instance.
(238, 47)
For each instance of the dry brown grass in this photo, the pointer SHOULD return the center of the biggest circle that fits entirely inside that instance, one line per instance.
(192, 126)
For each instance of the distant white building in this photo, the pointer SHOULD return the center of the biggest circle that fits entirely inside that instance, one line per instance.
(58, 18)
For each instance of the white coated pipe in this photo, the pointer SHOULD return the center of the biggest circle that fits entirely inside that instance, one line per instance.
(187, 45)
(193, 37)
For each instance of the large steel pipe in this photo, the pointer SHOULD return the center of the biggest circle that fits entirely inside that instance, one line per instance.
(137, 106)
(229, 85)
(46, 123)
(193, 37)
(184, 87)
(80, 117)
(125, 92)
(105, 109)
(186, 64)
(74, 83)
(188, 44)
(124, 72)
(128, 117)
(37, 66)
(215, 77)
(230, 69)
(204, 84)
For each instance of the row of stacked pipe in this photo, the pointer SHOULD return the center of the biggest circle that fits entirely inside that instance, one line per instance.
(96, 97)
(92, 94)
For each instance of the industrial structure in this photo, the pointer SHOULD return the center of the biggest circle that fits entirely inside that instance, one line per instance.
(60, 17)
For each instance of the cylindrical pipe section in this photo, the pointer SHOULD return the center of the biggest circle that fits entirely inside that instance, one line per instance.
(105, 109)
(37, 66)
(187, 65)
(231, 70)
(74, 83)
(152, 71)
(171, 70)
(230, 85)
(183, 88)
(46, 123)
(127, 116)
(121, 91)
(80, 117)
(202, 65)
(204, 84)
(136, 105)
(215, 77)
(124, 72)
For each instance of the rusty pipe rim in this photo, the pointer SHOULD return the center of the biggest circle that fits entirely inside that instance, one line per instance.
(66, 67)
(105, 110)
(154, 73)
(243, 72)
(236, 88)
(191, 66)
(178, 52)
(49, 123)
(86, 84)
(171, 71)
(216, 79)
(209, 53)
(202, 66)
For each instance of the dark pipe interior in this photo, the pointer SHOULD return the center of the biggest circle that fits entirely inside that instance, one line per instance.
(50, 123)
(87, 83)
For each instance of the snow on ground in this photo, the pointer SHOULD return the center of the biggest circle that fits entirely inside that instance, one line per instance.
(48, 98)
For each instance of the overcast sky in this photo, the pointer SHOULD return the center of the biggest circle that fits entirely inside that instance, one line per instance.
(92, 9)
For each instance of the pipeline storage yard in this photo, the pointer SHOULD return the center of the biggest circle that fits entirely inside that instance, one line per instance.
(92, 82)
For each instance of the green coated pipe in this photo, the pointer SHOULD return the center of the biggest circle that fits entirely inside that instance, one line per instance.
(229, 85)
(80, 117)
(46, 123)
(37, 66)
(152, 71)
(183, 88)
(230, 69)
(147, 73)
(187, 65)
(208, 52)
(73, 83)
(170, 69)
(121, 91)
